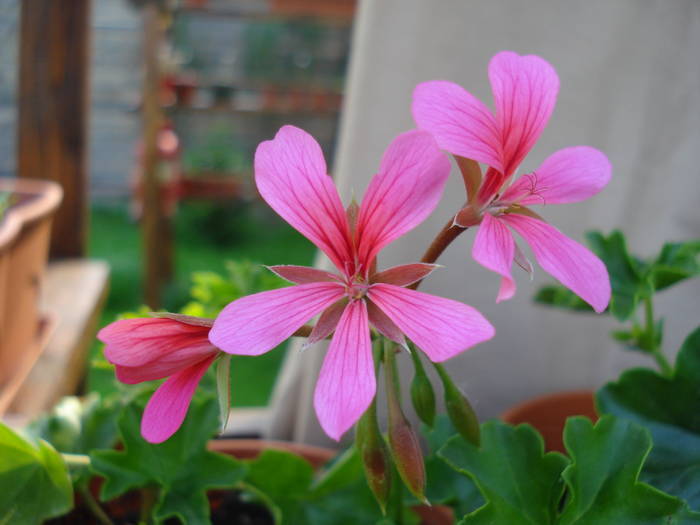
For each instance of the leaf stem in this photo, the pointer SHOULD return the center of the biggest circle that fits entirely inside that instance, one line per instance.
(94, 506)
(148, 501)
(76, 460)
(655, 348)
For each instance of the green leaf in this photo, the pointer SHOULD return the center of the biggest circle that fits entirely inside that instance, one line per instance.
(181, 469)
(519, 482)
(626, 280)
(34, 481)
(284, 478)
(561, 297)
(670, 409)
(676, 262)
(445, 485)
(602, 479)
(77, 426)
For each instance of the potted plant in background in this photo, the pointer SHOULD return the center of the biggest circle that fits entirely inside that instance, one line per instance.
(25, 229)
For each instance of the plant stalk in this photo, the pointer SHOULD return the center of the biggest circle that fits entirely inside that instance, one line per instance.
(94, 506)
(655, 350)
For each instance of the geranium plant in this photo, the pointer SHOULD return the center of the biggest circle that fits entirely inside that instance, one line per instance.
(373, 316)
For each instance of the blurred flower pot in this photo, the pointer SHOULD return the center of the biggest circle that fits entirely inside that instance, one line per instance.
(548, 414)
(25, 230)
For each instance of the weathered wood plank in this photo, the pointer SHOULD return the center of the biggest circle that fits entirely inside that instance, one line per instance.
(52, 99)
(74, 293)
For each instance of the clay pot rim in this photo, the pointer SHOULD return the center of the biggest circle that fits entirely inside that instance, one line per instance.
(48, 197)
(249, 448)
(558, 397)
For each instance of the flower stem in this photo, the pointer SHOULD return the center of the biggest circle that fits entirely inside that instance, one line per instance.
(655, 348)
(94, 507)
(443, 239)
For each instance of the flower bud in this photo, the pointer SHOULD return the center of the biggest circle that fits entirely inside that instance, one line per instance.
(459, 409)
(422, 393)
(375, 458)
(403, 441)
(408, 458)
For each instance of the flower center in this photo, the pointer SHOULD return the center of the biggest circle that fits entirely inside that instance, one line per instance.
(356, 290)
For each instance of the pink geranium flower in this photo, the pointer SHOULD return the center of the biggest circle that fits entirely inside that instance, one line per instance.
(525, 90)
(173, 346)
(290, 174)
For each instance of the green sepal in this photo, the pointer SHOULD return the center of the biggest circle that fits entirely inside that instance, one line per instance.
(34, 482)
(181, 469)
(223, 388)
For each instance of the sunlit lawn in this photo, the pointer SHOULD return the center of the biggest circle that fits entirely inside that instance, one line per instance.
(206, 237)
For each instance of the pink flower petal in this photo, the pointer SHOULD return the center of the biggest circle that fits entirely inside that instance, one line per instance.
(136, 342)
(409, 184)
(160, 368)
(405, 274)
(525, 91)
(461, 123)
(257, 323)
(568, 261)
(346, 384)
(384, 325)
(442, 328)
(168, 406)
(290, 174)
(303, 274)
(327, 322)
(494, 248)
(569, 175)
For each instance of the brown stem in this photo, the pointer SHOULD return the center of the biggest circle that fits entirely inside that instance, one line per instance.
(443, 239)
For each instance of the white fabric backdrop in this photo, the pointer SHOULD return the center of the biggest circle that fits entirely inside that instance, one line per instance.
(630, 86)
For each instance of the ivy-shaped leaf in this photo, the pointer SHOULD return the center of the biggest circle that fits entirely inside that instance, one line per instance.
(602, 479)
(34, 481)
(626, 280)
(284, 478)
(670, 409)
(181, 469)
(519, 482)
(445, 485)
(676, 262)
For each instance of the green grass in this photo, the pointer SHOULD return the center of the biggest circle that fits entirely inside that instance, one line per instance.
(206, 237)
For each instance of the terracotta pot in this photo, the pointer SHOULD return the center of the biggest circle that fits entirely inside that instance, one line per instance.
(25, 231)
(548, 414)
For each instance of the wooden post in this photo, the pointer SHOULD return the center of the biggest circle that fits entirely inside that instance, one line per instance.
(155, 226)
(52, 138)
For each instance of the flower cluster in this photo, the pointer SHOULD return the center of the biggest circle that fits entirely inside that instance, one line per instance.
(357, 298)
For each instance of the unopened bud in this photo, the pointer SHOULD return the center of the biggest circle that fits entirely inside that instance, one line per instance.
(403, 441)
(375, 458)
(408, 458)
(422, 393)
(459, 409)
